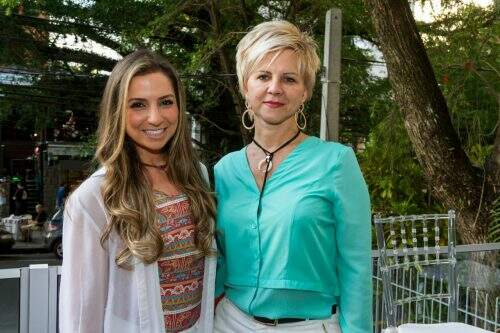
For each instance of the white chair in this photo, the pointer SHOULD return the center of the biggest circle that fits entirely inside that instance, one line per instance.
(440, 328)
(411, 251)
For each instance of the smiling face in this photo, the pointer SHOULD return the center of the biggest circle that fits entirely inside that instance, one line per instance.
(152, 114)
(275, 90)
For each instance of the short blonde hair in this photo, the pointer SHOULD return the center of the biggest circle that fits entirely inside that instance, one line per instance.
(276, 36)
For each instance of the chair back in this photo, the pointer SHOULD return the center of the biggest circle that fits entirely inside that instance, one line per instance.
(417, 265)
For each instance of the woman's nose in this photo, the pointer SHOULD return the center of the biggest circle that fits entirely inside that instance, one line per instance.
(275, 87)
(154, 115)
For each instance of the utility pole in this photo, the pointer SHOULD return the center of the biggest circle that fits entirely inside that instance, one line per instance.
(330, 76)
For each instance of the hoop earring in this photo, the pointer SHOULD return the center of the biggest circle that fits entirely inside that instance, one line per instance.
(300, 113)
(248, 112)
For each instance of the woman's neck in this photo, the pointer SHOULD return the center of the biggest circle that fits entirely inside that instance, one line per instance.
(147, 157)
(271, 137)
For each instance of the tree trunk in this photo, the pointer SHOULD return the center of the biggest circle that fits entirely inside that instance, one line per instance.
(225, 64)
(454, 181)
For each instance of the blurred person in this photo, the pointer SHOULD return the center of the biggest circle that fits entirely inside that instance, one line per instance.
(139, 254)
(3, 201)
(61, 193)
(20, 197)
(293, 215)
(34, 224)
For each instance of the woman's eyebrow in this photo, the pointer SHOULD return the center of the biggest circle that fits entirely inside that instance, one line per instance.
(139, 99)
(268, 72)
(167, 96)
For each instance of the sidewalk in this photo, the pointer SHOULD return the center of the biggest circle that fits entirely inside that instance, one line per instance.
(18, 245)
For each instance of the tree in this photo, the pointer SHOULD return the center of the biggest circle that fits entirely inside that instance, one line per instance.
(199, 37)
(454, 180)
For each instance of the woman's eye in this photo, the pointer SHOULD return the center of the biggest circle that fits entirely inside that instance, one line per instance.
(166, 102)
(262, 77)
(290, 80)
(137, 105)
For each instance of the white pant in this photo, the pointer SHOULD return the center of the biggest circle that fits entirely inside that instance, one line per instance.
(230, 319)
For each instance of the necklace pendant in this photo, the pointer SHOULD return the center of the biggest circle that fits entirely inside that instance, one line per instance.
(265, 165)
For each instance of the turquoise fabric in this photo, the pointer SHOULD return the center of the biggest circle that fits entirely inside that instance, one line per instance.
(309, 248)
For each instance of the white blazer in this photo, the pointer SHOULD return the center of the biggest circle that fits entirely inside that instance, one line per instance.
(98, 296)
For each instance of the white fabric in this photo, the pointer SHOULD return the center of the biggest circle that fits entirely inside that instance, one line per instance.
(230, 319)
(98, 296)
(438, 328)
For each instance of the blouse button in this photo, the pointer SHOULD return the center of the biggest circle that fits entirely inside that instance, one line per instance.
(253, 226)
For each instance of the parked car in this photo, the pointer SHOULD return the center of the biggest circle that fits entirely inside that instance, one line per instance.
(6, 240)
(53, 235)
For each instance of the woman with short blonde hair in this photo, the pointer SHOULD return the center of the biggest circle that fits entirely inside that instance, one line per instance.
(293, 215)
(138, 233)
(274, 37)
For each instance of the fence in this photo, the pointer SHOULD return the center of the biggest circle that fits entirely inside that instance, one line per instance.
(29, 295)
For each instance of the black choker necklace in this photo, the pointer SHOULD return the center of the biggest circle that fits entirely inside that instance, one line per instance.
(269, 163)
(268, 160)
(161, 167)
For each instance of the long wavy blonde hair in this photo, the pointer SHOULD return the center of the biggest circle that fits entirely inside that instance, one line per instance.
(126, 191)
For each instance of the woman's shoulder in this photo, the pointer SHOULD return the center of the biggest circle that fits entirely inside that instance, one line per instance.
(333, 149)
(88, 194)
(91, 184)
(229, 159)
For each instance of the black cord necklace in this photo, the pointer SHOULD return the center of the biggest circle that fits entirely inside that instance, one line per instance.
(269, 159)
(161, 166)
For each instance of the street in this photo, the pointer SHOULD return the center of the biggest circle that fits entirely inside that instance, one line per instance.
(25, 258)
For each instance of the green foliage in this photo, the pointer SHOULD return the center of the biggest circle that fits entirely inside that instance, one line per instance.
(393, 174)
(9, 5)
(463, 47)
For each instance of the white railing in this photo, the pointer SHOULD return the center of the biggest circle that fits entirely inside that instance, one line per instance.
(38, 293)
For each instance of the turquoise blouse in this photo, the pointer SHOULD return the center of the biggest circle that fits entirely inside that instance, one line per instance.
(310, 246)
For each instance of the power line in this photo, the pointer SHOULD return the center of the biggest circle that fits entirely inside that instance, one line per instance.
(87, 99)
(34, 72)
(59, 22)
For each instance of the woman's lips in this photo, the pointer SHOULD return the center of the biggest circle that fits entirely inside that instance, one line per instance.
(273, 104)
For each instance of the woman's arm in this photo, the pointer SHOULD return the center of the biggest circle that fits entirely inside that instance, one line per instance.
(353, 234)
(84, 279)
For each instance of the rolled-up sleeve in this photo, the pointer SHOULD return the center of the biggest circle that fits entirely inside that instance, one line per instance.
(353, 234)
(84, 278)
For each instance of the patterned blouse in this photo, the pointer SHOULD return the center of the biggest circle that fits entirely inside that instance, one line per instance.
(180, 267)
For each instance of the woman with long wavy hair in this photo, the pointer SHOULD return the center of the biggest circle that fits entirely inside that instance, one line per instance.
(138, 242)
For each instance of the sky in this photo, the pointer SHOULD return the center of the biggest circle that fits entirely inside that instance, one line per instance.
(425, 13)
